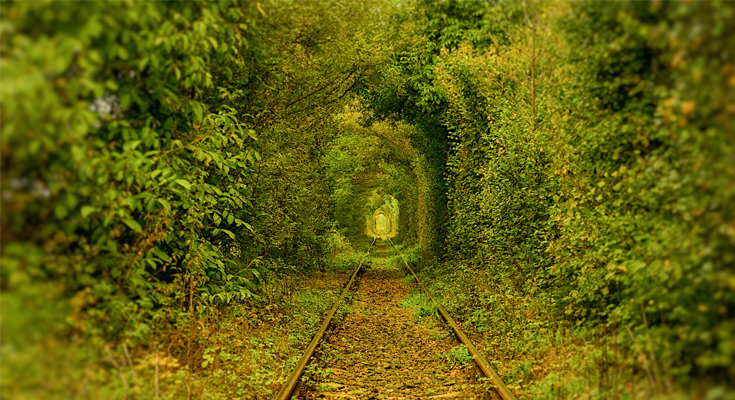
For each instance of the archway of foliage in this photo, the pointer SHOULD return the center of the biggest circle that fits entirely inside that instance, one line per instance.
(372, 164)
(382, 222)
(160, 160)
(566, 169)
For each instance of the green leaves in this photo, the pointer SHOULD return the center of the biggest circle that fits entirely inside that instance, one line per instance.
(60, 211)
(87, 210)
(160, 148)
(133, 224)
(600, 223)
(109, 147)
(184, 183)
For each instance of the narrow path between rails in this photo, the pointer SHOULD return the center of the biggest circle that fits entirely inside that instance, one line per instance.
(382, 351)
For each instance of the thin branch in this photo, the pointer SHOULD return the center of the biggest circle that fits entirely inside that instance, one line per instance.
(163, 153)
(317, 90)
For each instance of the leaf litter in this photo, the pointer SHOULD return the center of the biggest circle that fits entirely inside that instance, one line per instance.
(382, 351)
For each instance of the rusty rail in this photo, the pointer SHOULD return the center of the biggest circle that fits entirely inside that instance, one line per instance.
(485, 367)
(293, 379)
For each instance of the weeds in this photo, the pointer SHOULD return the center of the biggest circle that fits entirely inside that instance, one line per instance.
(421, 305)
(458, 356)
(315, 376)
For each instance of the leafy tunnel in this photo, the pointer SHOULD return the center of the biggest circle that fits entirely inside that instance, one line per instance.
(181, 179)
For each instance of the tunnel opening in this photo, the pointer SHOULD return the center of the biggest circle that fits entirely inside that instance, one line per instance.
(383, 222)
(381, 184)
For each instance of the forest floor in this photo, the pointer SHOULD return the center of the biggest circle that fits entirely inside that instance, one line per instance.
(383, 350)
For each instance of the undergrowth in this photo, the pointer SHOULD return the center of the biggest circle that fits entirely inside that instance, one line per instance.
(457, 357)
(420, 304)
(245, 351)
(537, 356)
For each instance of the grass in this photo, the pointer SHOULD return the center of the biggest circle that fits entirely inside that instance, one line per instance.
(245, 354)
(420, 304)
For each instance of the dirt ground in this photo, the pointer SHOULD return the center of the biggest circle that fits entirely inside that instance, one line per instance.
(382, 351)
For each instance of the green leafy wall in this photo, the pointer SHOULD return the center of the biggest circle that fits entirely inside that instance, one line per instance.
(590, 173)
(161, 162)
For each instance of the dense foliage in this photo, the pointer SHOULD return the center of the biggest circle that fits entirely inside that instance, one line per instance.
(168, 166)
(589, 176)
(159, 158)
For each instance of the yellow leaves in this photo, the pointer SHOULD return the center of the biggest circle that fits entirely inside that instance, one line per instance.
(687, 107)
(678, 59)
(260, 8)
(79, 303)
(167, 364)
(669, 113)
(703, 308)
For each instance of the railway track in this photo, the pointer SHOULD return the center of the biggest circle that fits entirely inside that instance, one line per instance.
(501, 390)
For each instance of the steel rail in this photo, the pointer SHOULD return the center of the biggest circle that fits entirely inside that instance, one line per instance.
(293, 379)
(489, 372)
